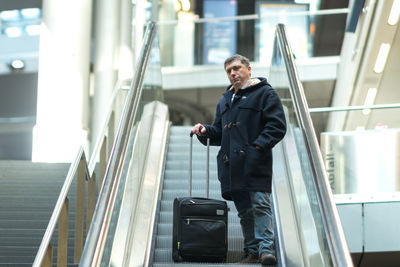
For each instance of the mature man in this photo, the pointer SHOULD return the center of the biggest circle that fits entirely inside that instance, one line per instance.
(249, 122)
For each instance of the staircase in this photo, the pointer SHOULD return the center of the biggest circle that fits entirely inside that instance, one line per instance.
(28, 193)
(176, 185)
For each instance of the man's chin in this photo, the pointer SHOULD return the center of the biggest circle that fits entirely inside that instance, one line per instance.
(237, 84)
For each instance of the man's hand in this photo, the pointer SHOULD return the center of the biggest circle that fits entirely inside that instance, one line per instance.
(198, 129)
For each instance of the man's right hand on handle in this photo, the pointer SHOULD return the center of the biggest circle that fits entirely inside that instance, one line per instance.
(198, 129)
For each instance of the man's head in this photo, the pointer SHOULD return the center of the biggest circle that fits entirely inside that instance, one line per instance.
(238, 69)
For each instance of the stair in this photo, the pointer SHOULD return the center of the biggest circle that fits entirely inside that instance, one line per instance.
(176, 185)
(28, 194)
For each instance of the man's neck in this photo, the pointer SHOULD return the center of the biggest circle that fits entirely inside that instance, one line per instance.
(236, 89)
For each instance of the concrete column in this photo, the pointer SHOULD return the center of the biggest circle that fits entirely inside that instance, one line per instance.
(126, 45)
(167, 32)
(64, 60)
(140, 20)
(106, 56)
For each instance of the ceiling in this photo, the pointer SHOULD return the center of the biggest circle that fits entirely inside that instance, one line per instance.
(328, 40)
(356, 74)
(19, 4)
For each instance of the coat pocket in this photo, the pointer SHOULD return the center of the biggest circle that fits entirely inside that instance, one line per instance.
(255, 164)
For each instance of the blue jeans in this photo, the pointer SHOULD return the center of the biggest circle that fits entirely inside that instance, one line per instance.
(254, 211)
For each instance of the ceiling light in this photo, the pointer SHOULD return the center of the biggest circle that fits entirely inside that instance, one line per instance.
(394, 13)
(17, 65)
(13, 31)
(369, 100)
(185, 5)
(9, 15)
(30, 13)
(382, 57)
(33, 29)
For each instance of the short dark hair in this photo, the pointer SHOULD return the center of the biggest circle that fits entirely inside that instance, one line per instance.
(244, 60)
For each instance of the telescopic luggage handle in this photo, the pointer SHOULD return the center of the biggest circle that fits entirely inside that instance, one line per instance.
(207, 166)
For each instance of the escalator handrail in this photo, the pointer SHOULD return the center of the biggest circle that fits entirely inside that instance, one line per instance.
(330, 216)
(96, 237)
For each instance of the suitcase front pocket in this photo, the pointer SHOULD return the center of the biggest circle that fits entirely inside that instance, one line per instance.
(200, 232)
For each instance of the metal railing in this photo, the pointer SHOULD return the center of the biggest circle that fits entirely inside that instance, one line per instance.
(103, 155)
(330, 218)
(96, 237)
(350, 108)
(84, 173)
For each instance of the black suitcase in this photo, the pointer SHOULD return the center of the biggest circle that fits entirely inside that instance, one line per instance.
(200, 225)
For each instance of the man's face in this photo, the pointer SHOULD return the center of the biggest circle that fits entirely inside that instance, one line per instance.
(238, 73)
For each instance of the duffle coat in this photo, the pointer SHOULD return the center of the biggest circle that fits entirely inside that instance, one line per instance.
(254, 116)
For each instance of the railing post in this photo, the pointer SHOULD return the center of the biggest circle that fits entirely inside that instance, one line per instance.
(62, 250)
(111, 132)
(91, 200)
(48, 257)
(103, 163)
(80, 209)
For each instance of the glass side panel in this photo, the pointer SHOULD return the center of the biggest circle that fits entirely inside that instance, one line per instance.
(361, 157)
(307, 209)
(152, 90)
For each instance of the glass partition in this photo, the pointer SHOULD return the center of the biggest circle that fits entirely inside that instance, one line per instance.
(189, 40)
(145, 87)
(360, 148)
(152, 90)
(315, 209)
(303, 189)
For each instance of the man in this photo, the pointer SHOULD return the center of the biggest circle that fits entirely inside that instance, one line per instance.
(249, 122)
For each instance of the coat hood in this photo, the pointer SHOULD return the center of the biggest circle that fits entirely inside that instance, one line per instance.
(252, 84)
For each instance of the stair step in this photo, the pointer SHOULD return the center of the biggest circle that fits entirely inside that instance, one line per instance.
(27, 240)
(163, 257)
(11, 259)
(183, 175)
(165, 241)
(29, 213)
(28, 194)
(32, 170)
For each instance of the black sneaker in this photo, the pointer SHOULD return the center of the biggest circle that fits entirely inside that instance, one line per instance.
(267, 259)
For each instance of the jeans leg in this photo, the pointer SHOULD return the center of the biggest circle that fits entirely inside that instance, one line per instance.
(243, 205)
(263, 221)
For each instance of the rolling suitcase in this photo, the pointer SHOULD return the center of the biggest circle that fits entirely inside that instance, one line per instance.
(200, 225)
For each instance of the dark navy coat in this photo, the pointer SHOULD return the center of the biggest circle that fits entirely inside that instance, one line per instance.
(255, 117)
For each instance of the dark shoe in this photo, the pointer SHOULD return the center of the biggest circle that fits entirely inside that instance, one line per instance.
(249, 258)
(267, 259)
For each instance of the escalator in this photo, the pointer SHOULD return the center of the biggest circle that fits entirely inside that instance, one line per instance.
(132, 222)
(292, 250)
(308, 229)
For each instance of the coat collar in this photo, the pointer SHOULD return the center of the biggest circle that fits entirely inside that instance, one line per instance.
(260, 82)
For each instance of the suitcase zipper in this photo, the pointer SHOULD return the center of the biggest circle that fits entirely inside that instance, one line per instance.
(207, 220)
(220, 211)
(192, 202)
